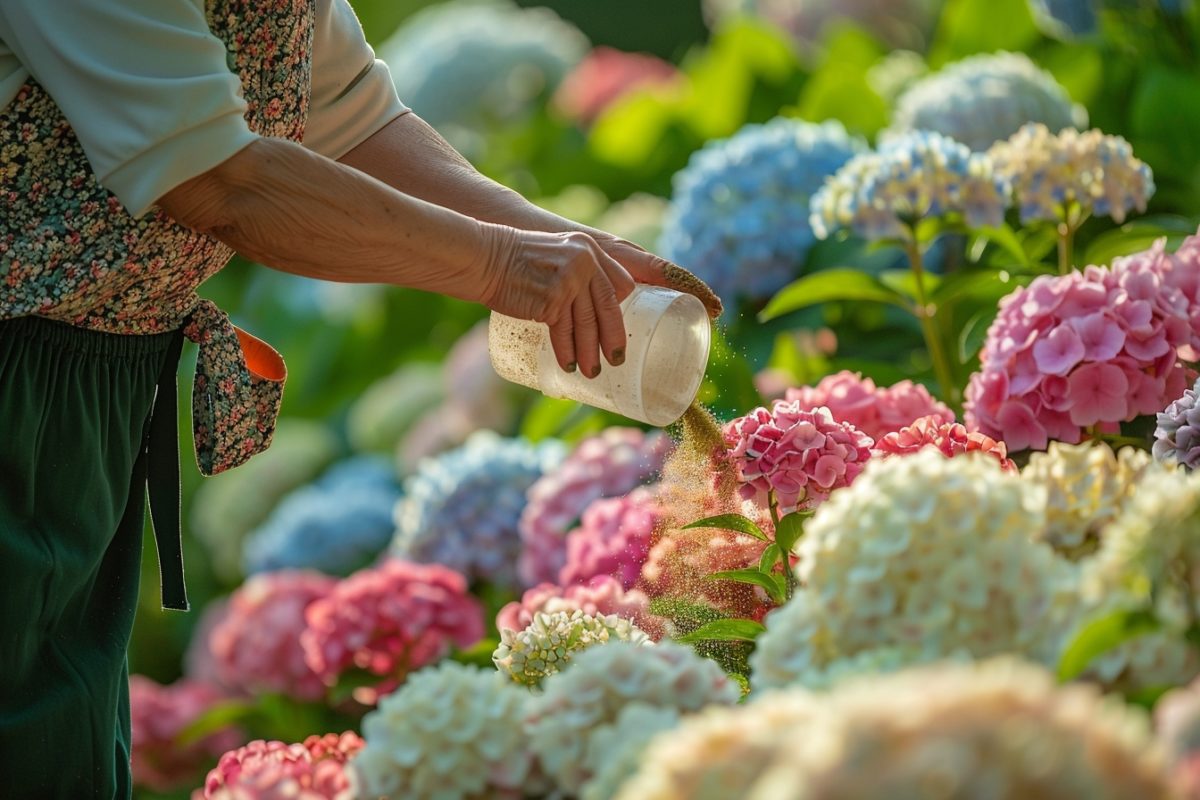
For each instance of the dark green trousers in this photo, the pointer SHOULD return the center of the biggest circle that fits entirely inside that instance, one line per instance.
(75, 414)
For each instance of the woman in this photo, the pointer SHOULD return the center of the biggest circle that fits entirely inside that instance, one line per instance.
(141, 143)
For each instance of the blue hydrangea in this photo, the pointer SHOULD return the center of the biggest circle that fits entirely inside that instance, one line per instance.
(336, 525)
(1066, 19)
(473, 64)
(983, 99)
(739, 213)
(914, 176)
(462, 508)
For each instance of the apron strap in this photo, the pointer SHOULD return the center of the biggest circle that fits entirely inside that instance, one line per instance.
(162, 480)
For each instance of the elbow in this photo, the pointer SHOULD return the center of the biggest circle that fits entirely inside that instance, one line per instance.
(213, 202)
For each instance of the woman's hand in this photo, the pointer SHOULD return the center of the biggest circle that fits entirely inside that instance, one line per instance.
(565, 280)
(645, 267)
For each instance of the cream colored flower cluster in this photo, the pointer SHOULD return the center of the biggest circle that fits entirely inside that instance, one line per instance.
(992, 729)
(581, 702)
(1087, 486)
(1049, 172)
(927, 556)
(452, 732)
(547, 644)
(614, 752)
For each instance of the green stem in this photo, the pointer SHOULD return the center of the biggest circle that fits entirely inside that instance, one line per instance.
(784, 558)
(925, 313)
(1066, 248)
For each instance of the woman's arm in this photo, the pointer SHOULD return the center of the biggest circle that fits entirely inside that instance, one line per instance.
(299, 212)
(410, 156)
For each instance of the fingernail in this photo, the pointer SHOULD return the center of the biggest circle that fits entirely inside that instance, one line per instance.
(572, 367)
(618, 356)
(596, 371)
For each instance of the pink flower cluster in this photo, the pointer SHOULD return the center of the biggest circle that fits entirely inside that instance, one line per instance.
(390, 620)
(606, 465)
(950, 438)
(158, 715)
(681, 561)
(312, 770)
(613, 538)
(606, 74)
(256, 644)
(1093, 348)
(601, 595)
(875, 411)
(800, 454)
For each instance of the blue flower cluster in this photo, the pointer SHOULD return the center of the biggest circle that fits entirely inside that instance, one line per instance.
(983, 99)
(1069, 19)
(913, 176)
(336, 525)
(470, 63)
(739, 213)
(461, 508)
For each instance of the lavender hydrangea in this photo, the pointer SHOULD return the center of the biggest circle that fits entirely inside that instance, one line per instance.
(739, 212)
(985, 98)
(1177, 435)
(336, 525)
(896, 23)
(911, 176)
(461, 508)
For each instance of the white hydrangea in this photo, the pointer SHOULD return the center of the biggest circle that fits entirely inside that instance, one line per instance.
(924, 555)
(452, 732)
(614, 752)
(583, 701)
(550, 641)
(1087, 485)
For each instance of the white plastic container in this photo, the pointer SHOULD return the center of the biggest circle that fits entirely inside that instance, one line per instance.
(668, 337)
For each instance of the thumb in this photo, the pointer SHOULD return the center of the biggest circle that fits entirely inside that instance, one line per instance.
(645, 267)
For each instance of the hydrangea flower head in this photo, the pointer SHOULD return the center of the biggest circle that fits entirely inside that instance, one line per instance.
(948, 438)
(876, 411)
(1049, 172)
(314, 769)
(1177, 435)
(336, 525)
(614, 752)
(613, 538)
(606, 75)
(606, 465)
(983, 99)
(256, 644)
(1091, 348)
(158, 715)
(461, 509)
(739, 210)
(601, 596)
(452, 732)
(912, 176)
(924, 554)
(801, 455)
(548, 643)
(581, 702)
(390, 620)
(1087, 487)
(471, 65)
(1066, 19)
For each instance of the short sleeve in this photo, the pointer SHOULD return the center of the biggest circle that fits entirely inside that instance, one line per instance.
(143, 83)
(352, 92)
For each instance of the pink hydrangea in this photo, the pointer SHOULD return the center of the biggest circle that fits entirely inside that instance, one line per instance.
(681, 561)
(389, 620)
(158, 715)
(312, 770)
(256, 645)
(952, 439)
(604, 76)
(799, 454)
(602, 595)
(613, 538)
(606, 465)
(852, 398)
(1089, 349)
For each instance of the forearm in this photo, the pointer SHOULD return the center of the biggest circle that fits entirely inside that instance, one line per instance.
(279, 204)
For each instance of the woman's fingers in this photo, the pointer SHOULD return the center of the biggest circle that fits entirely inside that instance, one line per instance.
(609, 321)
(583, 314)
(562, 342)
(648, 268)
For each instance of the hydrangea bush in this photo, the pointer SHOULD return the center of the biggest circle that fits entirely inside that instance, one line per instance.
(601, 596)
(948, 438)
(874, 410)
(547, 644)
(314, 769)
(613, 538)
(1177, 434)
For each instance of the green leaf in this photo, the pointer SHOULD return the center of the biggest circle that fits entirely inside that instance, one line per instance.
(1137, 236)
(790, 529)
(974, 334)
(478, 654)
(770, 583)
(724, 630)
(730, 522)
(970, 26)
(1005, 238)
(1101, 635)
(905, 282)
(844, 283)
(547, 417)
(770, 558)
(216, 718)
(683, 612)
